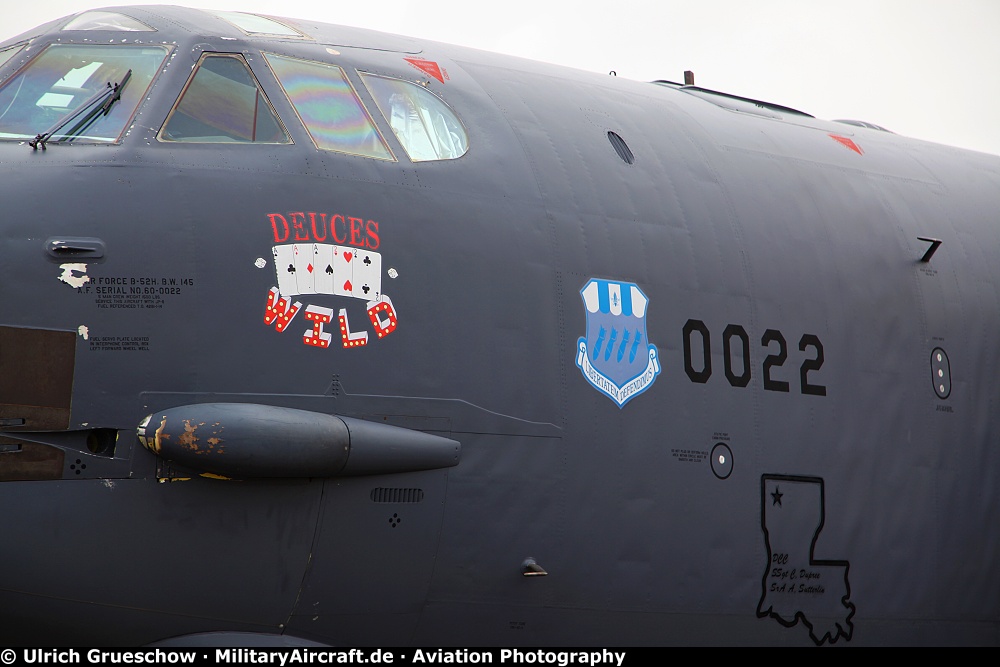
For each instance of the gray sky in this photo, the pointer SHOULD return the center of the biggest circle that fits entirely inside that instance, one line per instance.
(928, 69)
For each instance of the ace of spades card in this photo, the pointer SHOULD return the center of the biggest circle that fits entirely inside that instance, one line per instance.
(324, 271)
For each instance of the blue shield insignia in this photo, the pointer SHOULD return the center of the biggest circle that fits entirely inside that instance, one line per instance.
(615, 355)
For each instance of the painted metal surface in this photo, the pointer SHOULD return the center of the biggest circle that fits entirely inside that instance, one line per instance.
(778, 261)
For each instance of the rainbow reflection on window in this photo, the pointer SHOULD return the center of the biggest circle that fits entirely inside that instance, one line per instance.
(328, 107)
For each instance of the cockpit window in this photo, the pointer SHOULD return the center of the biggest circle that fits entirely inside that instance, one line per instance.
(99, 20)
(8, 53)
(77, 92)
(223, 103)
(426, 126)
(253, 24)
(328, 107)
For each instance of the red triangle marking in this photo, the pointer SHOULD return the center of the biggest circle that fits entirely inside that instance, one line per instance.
(847, 143)
(428, 67)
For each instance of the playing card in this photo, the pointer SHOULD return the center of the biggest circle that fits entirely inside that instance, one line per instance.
(343, 270)
(323, 268)
(284, 268)
(367, 275)
(305, 272)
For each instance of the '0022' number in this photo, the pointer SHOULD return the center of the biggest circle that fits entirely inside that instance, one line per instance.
(696, 333)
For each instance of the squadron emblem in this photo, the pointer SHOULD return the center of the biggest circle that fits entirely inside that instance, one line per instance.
(615, 356)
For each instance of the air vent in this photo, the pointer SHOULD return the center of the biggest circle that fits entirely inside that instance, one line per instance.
(621, 148)
(382, 495)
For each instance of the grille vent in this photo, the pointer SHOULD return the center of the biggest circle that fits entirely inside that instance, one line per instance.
(624, 152)
(383, 495)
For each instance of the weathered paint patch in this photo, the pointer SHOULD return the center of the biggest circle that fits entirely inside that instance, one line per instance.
(188, 438)
(70, 275)
(83, 331)
(160, 435)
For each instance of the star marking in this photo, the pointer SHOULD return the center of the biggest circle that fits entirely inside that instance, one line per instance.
(776, 496)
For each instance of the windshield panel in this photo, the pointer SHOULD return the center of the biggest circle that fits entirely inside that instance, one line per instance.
(8, 53)
(101, 20)
(252, 24)
(328, 107)
(426, 126)
(63, 77)
(222, 103)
